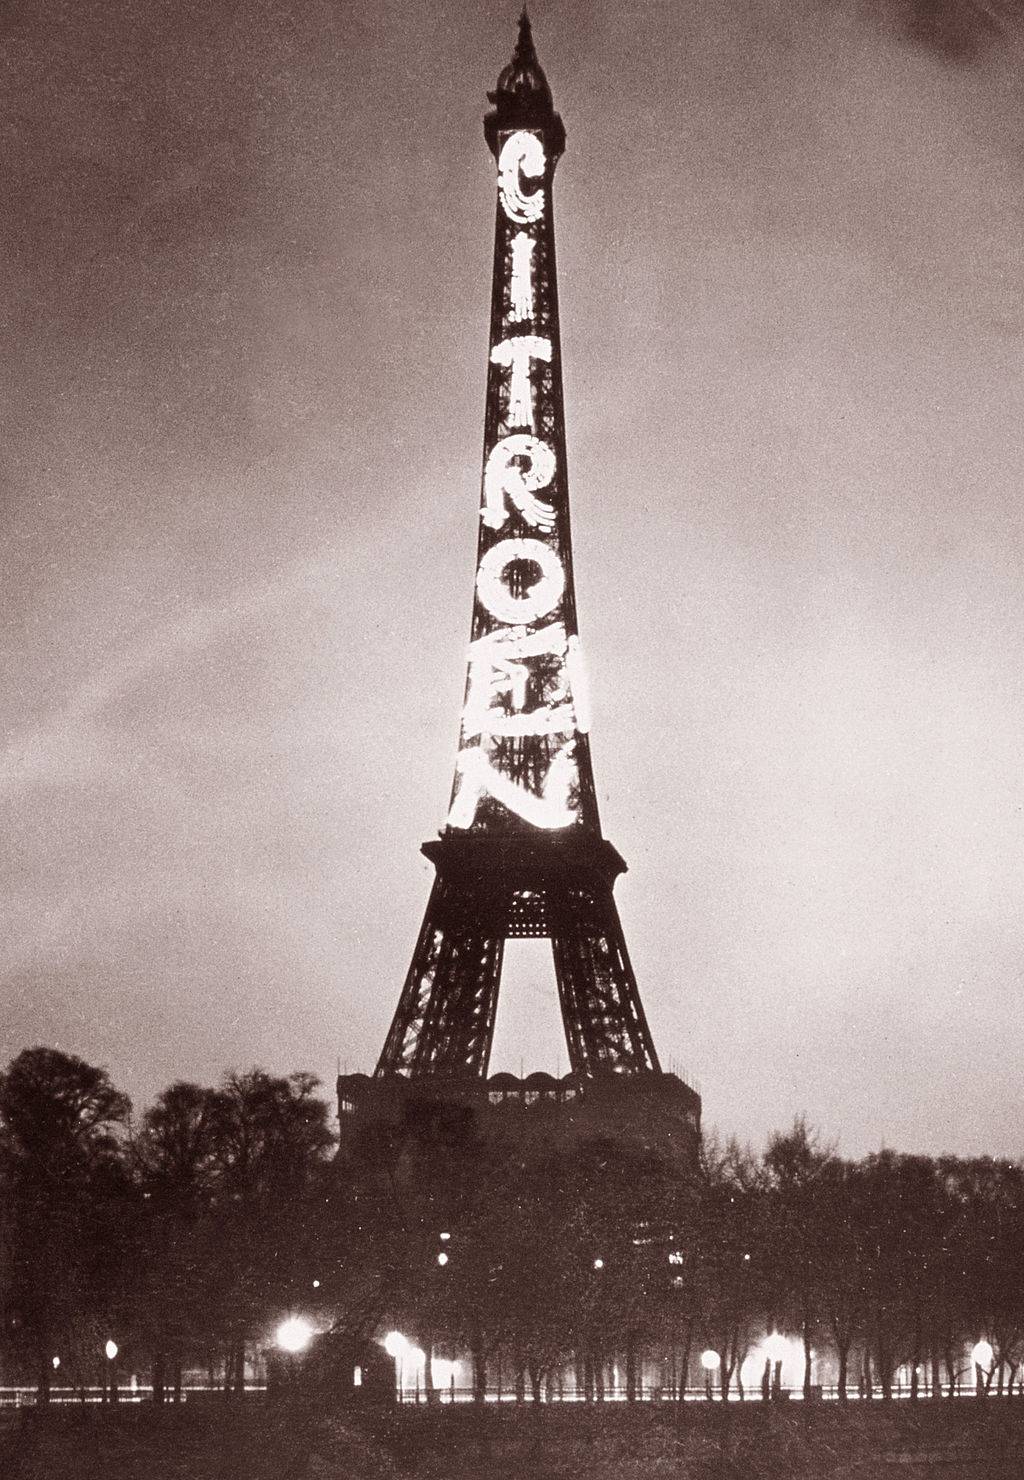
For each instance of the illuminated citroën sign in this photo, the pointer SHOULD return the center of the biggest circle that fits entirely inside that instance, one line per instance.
(522, 752)
(522, 852)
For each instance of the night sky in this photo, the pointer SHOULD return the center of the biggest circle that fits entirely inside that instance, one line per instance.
(247, 275)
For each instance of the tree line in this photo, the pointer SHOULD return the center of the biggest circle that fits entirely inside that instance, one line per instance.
(185, 1236)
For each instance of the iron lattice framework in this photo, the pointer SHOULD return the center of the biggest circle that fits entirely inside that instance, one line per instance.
(522, 852)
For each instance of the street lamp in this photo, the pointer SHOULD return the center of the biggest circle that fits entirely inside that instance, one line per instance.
(710, 1361)
(775, 1348)
(443, 1371)
(294, 1335)
(400, 1348)
(982, 1355)
(396, 1347)
(111, 1350)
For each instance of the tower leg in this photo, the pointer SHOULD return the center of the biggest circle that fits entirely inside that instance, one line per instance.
(605, 1026)
(444, 1022)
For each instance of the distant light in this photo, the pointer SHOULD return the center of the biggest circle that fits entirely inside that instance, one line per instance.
(357, 1376)
(775, 1347)
(710, 1360)
(442, 1258)
(982, 1354)
(747, 1257)
(599, 1264)
(294, 1334)
(675, 1257)
(395, 1344)
(111, 1350)
(316, 1284)
(443, 1371)
(445, 1237)
(56, 1363)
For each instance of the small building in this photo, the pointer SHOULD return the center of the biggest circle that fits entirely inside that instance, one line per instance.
(655, 1110)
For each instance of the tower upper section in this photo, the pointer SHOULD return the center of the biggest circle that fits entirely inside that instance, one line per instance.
(524, 758)
(522, 98)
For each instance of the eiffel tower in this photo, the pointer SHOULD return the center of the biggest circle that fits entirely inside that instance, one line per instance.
(522, 853)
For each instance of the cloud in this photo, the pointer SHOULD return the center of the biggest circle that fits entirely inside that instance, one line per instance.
(73, 746)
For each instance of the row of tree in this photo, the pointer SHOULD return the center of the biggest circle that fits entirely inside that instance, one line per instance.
(186, 1237)
(597, 1251)
(173, 1239)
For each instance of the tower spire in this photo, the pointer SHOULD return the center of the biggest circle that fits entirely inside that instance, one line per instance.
(525, 54)
(522, 97)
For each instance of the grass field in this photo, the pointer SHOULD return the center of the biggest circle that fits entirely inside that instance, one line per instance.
(298, 1440)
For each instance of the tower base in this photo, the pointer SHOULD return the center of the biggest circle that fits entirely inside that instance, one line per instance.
(655, 1110)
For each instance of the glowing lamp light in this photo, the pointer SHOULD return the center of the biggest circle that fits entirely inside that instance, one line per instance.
(294, 1334)
(982, 1354)
(56, 1363)
(442, 1259)
(775, 1347)
(316, 1284)
(111, 1349)
(710, 1360)
(445, 1237)
(443, 1371)
(395, 1344)
(599, 1264)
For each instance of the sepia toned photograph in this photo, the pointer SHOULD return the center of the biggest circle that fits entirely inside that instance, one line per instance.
(512, 946)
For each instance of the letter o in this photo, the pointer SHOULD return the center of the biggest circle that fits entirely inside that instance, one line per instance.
(541, 598)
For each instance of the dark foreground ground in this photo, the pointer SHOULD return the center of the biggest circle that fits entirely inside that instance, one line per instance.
(297, 1440)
